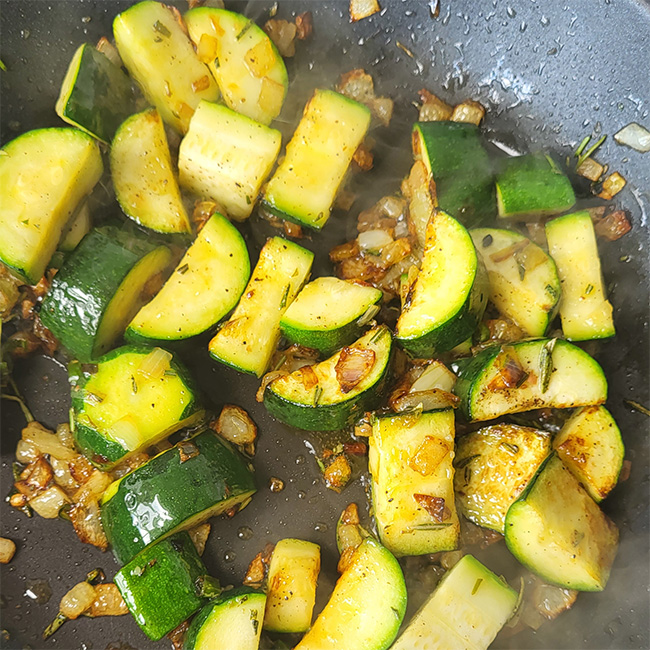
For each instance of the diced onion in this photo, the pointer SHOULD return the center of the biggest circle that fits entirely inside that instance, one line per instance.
(468, 111)
(108, 601)
(235, 425)
(613, 226)
(590, 169)
(360, 9)
(199, 535)
(155, 364)
(369, 314)
(7, 550)
(93, 488)
(428, 456)
(48, 503)
(450, 559)
(46, 442)
(635, 136)
(435, 375)
(64, 434)
(88, 524)
(550, 601)
(283, 35)
(77, 600)
(271, 95)
(352, 366)
(125, 432)
(62, 474)
(26, 452)
(109, 51)
(372, 241)
(433, 109)
(612, 185)
(426, 400)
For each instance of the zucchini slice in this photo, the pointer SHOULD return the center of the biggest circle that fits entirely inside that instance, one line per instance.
(159, 586)
(523, 279)
(143, 178)
(493, 467)
(467, 610)
(291, 595)
(231, 621)
(591, 447)
(100, 287)
(532, 186)
(44, 175)
(454, 155)
(447, 300)
(226, 157)
(333, 393)
(305, 183)
(410, 461)
(96, 96)
(366, 607)
(191, 302)
(545, 373)
(584, 310)
(250, 72)
(130, 399)
(329, 313)
(248, 339)
(557, 530)
(159, 55)
(178, 489)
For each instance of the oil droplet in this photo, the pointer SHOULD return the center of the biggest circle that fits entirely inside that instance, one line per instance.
(301, 495)
(39, 591)
(511, 12)
(300, 459)
(24, 34)
(320, 527)
(245, 533)
(229, 556)
(86, 19)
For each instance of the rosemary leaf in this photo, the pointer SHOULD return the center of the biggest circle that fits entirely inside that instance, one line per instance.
(546, 365)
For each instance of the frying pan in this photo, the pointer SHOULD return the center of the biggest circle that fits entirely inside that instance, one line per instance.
(549, 73)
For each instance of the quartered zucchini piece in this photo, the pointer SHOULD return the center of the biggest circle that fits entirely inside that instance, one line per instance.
(226, 157)
(159, 55)
(76, 229)
(454, 155)
(96, 96)
(445, 304)
(493, 467)
(557, 530)
(410, 461)
(291, 594)
(249, 338)
(44, 175)
(523, 280)
(143, 177)
(532, 186)
(584, 310)
(232, 620)
(178, 489)
(366, 607)
(333, 393)
(130, 399)
(250, 72)
(510, 378)
(100, 287)
(591, 447)
(329, 313)
(159, 586)
(305, 183)
(467, 610)
(191, 301)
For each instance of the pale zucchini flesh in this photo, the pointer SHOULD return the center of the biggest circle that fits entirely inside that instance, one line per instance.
(411, 454)
(225, 157)
(466, 611)
(249, 338)
(76, 229)
(585, 311)
(143, 176)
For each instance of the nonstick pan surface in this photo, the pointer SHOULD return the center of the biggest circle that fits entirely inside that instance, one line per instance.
(549, 73)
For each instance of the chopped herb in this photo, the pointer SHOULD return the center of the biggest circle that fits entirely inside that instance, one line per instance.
(429, 526)
(477, 584)
(589, 289)
(134, 385)
(280, 363)
(3, 67)
(582, 145)
(283, 302)
(321, 464)
(161, 29)
(396, 612)
(183, 269)
(377, 335)
(546, 365)
(513, 449)
(248, 200)
(582, 155)
(521, 267)
(637, 407)
(317, 395)
(245, 28)
(404, 49)
(59, 620)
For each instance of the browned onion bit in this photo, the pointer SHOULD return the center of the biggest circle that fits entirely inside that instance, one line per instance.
(435, 506)
(235, 426)
(338, 473)
(358, 85)
(177, 635)
(259, 567)
(360, 9)
(433, 109)
(511, 373)
(352, 366)
(304, 25)
(613, 226)
(428, 456)
(283, 34)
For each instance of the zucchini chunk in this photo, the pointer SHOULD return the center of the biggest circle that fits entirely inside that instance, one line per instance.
(159, 55)
(100, 287)
(159, 586)
(493, 467)
(515, 377)
(305, 183)
(532, 186)
(331, 394)
(130, 399)
(366, 607)
(329, 313)
(248, 339)
(467, 610)
(230, 621)
(144, 182)
(446, 303)
(96, 96)
(250, 72)
(76, 229)
(584, 310)
(191, 302)
(454, 155)
(225, 157)
(410, 461)
(590, 446)
(523, 280)
(198, 478)
(291, 595)
(557, 530)
(44, 175)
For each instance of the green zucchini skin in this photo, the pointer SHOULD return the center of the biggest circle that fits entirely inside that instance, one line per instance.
(96, 95)
(85, 285)
(159, 586)
(187, 492)
(461, 169)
